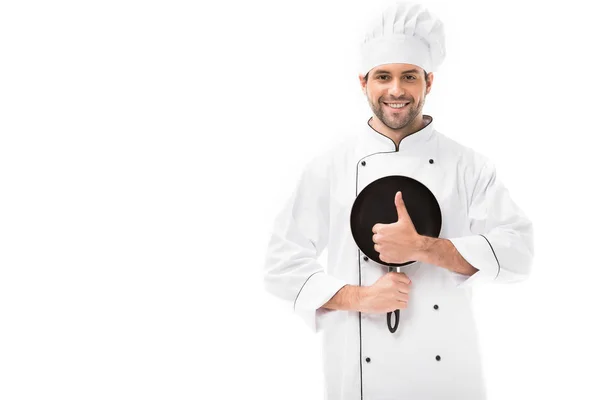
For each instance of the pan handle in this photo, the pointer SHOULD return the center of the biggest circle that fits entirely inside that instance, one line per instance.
(389, 321)
(396, 313)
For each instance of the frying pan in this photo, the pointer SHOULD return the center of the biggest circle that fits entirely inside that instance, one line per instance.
(375, 204)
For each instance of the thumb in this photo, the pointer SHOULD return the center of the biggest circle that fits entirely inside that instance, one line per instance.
(400, 207)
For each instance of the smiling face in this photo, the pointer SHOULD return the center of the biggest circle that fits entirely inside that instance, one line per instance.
(396, 94)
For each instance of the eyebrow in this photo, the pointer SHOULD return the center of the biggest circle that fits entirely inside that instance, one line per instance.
(383, 71)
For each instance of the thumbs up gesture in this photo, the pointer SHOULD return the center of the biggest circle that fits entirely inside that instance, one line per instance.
(398, 242)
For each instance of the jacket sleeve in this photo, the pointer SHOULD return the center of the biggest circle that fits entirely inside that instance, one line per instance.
(501, 244)
(300, 234)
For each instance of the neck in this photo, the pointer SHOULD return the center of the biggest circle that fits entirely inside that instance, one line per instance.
(398, 134)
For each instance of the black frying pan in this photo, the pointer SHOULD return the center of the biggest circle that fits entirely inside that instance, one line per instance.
(375, 204)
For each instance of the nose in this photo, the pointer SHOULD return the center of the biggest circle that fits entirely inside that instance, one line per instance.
(396, 89)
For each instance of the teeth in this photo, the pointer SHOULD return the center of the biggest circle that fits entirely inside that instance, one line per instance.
(397, 105)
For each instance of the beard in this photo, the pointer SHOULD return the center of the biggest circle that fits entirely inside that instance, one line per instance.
(399, 119)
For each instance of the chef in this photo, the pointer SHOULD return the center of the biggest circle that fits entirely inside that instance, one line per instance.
(485, 237)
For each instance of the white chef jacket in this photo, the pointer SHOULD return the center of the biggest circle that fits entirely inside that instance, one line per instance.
(434, 354)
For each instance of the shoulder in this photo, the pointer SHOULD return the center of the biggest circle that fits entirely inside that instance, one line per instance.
(468, 160)
(321, 165)
(337, 149)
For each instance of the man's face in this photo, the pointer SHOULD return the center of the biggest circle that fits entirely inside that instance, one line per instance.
(392, 85)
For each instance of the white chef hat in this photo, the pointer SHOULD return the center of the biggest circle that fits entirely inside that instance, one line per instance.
(405, 32)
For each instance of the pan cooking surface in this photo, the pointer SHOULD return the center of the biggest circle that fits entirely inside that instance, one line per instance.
(375, 204)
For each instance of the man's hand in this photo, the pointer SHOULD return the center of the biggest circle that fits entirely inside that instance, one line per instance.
(399, 242)
(389, 293)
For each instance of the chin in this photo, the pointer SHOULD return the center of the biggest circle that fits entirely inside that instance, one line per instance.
(395, 124)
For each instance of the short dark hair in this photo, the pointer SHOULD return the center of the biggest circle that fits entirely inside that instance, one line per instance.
(426, 78)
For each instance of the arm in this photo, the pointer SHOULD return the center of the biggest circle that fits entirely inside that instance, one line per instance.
(501, 244)
(348, 298)
(390, 292)
(441, 252)
(300, 234)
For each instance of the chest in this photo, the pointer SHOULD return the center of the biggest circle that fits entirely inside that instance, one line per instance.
(442, 175)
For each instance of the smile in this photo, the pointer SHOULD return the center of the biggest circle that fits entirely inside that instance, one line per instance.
(396, 105)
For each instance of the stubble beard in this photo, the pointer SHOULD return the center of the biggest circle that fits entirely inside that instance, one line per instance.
(400, 120)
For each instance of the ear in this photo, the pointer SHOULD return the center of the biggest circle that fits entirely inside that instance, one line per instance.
(429, 83)
(363, 83)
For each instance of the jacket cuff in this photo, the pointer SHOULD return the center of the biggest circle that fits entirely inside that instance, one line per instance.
(478, 252)
(316, 291)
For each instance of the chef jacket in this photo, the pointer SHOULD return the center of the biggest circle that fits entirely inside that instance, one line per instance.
(434, 354)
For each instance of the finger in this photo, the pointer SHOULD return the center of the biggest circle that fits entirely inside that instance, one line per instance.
(377, 227)
(400, 206)
(377, 248)
(402, 304)
(401, 277)
(376, 238)
(402, 297)
(402, 287)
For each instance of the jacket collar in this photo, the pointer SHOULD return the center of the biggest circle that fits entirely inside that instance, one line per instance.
(376, 141)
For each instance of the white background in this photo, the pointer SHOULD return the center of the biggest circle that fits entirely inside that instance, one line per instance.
(145, 148)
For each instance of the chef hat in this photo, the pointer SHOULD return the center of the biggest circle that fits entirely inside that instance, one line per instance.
(404, 33)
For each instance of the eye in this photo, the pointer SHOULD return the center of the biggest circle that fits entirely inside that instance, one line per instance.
(382, 76)
(412, 77)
